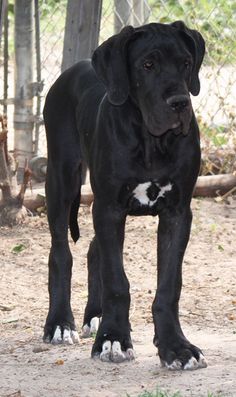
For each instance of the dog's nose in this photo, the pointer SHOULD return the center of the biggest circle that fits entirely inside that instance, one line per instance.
(178, 103)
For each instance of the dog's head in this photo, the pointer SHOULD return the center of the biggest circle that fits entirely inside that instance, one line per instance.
(157, 66)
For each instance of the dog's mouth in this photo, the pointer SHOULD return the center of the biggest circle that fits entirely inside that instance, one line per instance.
(178, 128)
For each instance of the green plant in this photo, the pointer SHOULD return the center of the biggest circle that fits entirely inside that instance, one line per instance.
(214, 134)
(161, 393)
(208, 16)
(18, 248)
(158, 393)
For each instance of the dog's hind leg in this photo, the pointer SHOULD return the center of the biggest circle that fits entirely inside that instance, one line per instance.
(93, 310)
(60, 326)
(62, 192)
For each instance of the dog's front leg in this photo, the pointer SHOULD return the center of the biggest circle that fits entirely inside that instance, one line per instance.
(113, 342)
(175, 351)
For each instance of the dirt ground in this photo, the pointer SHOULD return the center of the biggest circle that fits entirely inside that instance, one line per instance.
(30, 368)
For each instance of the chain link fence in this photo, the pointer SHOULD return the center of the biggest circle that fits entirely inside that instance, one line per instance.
(215, 19)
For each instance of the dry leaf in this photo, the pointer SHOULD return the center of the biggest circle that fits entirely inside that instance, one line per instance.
(59, 362)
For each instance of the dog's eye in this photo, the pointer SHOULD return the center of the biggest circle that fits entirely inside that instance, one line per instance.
(148, 65)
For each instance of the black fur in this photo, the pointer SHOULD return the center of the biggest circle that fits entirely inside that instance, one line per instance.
(128, 116)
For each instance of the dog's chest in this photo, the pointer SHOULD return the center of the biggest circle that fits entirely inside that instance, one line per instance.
(149, 197)
(148, 193)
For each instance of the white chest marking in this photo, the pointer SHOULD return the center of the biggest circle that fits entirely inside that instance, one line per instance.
(140, 192)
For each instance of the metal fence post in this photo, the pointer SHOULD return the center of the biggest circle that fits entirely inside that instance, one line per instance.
(23, 112)
(82, 30)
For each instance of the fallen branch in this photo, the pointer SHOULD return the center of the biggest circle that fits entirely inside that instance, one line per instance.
(37, 199)
(214, 185)
(206, 186)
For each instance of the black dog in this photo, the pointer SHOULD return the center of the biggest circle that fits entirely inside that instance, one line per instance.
(128, 116)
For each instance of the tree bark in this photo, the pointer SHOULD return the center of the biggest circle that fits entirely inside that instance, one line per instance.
(81, 31)
(23, 112)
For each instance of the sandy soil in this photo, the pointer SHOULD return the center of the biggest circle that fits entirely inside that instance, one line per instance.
(208, 312)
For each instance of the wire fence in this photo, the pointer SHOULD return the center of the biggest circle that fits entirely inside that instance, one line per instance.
(215, 19)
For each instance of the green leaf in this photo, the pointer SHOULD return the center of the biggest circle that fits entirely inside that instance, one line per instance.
(18, 248)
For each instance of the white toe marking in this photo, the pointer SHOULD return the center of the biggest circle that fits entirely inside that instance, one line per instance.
(117, 355)
(175, 365)
(112, 352)
(94, 324)
(57, 338)
(130, 355)
(85, 331)
(191, 364)
(140, 192)
(67, 339)
(89, 329)
(202, 362)
(194, 364)
(106, 351)
(75, 336)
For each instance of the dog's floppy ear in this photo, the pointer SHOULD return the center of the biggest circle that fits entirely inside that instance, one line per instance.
(196, 45)
(109, 62)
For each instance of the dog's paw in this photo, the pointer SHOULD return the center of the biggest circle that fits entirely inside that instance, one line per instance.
(62, 335)
(112, 352)
(90, 329)
(193, 363)
(181, 363)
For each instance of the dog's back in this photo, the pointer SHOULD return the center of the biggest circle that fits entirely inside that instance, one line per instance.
(77, 89)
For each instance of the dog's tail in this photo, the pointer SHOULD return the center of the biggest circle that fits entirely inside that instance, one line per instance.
(73, 222)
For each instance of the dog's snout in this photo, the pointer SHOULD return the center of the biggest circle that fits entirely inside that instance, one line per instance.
(178, 103)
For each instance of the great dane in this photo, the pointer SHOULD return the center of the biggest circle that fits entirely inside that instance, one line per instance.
(127, 115)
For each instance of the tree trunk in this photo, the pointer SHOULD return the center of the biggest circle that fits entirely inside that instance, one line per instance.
(81, 31)
(23, 113)
(2, 13)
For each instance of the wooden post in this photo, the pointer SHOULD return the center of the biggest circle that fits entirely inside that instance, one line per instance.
(122, 15)
(4, 23)
(82, 30)
(5, 59)
(39, 83)
(23, 112)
